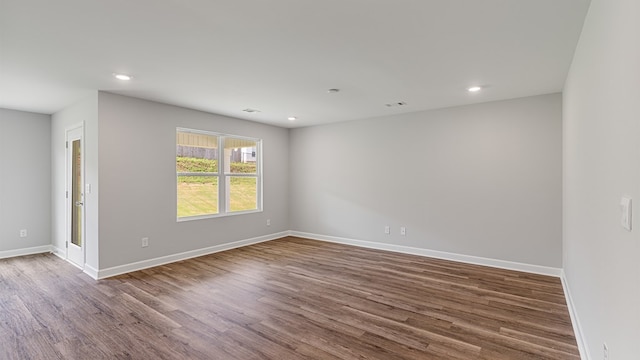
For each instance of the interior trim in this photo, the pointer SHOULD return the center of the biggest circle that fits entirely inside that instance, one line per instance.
(502, 264)
(575, 321)
(26, 251)
(145, 264)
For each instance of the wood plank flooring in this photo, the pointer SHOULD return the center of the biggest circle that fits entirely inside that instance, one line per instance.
(285, 299)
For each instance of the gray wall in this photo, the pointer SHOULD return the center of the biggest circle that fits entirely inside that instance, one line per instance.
(25, 179)
(84, 112)
(602, 164)
(138, 193)
(482, 180)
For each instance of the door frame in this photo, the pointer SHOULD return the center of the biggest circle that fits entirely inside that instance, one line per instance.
(77, 257)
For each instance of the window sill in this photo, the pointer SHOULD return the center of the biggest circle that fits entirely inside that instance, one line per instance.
(214, 216)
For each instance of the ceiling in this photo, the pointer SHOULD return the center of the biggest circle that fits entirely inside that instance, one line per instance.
(281, 56)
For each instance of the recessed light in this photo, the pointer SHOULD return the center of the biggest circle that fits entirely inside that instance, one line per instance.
(292, 118)
(123, 77)
(474, 89)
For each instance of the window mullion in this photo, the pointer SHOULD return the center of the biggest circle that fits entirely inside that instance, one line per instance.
(222, 183)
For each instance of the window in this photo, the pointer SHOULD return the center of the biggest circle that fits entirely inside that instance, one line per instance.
(217, 174)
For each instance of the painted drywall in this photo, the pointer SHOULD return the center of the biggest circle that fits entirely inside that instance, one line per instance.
(602, 164)
(137, 143)
(84, 113)
(482, 180)
(25, 189)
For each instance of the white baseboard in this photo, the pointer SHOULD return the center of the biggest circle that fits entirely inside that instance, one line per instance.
(25, 251)
(122, 269)
(502, 264)
(58, 252)
(62, 254)
(91, 271)
(145, 264)
(575, 321)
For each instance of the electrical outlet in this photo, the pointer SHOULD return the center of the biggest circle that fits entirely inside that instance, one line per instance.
(23, 233)
(268, 222)
(605, 351)
(387, 230)
(145, 241)
(403, 230)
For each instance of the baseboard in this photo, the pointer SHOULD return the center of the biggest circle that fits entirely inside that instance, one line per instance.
(26, 251)
(58, 252)
(502, 264)
(575, 322)
(91, 271)
(122, 269)
(145, 264)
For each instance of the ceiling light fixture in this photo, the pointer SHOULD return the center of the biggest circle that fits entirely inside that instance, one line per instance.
(292, 118)
(474, 89)
(123, 77)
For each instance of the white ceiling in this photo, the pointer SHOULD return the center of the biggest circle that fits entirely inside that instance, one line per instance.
(281, 56)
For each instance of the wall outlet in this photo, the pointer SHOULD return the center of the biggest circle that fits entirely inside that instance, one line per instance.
(23, 233)
(605, 351)
(387, 230)
(145, 241)
(403, 230)
(268, 222)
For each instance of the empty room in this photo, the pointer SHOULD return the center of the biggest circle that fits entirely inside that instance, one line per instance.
(297, 179)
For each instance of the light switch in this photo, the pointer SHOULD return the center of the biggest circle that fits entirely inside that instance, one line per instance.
(87, 188)
(625, 209)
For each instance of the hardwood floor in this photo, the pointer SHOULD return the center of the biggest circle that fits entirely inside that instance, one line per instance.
(285, 299)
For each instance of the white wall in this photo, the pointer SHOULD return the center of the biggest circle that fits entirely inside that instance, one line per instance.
(602, 164)
(137, 143)
(84, 112)
(482, 180)
(25, 180)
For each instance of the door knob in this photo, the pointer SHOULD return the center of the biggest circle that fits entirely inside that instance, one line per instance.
(79, 203)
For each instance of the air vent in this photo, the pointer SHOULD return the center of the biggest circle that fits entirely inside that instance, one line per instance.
(396, 104)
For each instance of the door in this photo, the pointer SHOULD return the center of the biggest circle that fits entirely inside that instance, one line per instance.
(75, 197)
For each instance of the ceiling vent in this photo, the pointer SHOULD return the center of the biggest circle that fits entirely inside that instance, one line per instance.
(396, 104)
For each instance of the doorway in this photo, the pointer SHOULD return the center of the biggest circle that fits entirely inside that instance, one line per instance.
(75, 240)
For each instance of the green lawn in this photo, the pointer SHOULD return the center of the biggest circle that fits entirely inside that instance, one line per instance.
(243, 194)
(198, 195)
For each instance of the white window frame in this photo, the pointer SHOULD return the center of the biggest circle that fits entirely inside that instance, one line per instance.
(223, 195)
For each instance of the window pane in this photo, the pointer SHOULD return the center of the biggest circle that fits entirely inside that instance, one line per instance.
(240, 155)
(243, 193)
(197, 195)
(196, 152)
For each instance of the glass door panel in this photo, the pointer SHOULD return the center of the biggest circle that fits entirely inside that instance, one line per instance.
(76, 193)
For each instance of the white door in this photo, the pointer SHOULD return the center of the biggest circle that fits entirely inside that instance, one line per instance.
(75, 197)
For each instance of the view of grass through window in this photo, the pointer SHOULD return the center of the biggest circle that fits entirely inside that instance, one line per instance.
(198, 175)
